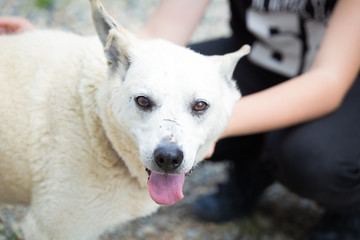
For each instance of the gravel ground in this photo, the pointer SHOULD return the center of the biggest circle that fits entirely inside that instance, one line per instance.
(280, 215)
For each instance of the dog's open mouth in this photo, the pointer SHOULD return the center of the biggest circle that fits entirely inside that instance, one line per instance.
(166, 189)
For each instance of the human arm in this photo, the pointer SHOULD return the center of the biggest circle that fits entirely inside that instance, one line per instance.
(313, 94)
(174, 20)
(10, 25)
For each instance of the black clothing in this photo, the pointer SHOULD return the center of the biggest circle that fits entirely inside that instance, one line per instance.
(319, 159)
(284, 35)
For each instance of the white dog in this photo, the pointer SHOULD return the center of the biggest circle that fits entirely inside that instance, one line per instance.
(90, 141)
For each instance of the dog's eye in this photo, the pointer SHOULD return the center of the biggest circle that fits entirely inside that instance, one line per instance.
(143, 102)
(200, 106)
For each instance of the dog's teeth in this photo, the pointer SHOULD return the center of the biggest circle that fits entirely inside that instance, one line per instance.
(189, 172)
(148, 171)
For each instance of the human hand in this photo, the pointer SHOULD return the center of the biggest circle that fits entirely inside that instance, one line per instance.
(211, 150)
(14, 25)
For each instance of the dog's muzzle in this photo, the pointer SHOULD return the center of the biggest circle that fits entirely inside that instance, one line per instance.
(165, 184)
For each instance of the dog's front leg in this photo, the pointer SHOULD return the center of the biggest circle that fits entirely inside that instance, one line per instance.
(59, 222)
(32, 228)
(48, 225)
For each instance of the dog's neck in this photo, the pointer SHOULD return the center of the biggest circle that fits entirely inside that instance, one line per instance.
(100, 125)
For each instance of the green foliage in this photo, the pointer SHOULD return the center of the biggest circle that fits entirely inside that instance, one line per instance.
(44, 4)
(7, 235)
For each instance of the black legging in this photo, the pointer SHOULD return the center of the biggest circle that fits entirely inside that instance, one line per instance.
(319, 160)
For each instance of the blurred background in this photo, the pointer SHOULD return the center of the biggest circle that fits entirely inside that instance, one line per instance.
(75, 15)
(280, 215)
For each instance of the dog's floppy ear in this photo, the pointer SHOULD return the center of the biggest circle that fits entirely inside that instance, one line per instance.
(228, 61)
(116, 40)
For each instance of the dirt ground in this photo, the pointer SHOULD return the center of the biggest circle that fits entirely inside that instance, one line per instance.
(280, 215)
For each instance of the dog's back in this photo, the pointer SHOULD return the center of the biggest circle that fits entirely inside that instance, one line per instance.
(36, 69)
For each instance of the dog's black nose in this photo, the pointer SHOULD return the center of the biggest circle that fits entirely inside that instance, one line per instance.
(168, 157)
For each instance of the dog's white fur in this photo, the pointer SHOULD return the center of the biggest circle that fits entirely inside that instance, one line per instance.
(74, 144)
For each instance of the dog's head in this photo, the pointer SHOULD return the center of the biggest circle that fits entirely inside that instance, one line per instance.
(172, 101)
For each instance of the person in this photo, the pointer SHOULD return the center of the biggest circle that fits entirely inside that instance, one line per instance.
(13, 25)
(298, 119)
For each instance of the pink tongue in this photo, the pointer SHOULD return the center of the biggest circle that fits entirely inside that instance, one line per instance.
(166, 189)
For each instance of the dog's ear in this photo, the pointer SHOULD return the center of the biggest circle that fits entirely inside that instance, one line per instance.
(116, 40)
(228, 61)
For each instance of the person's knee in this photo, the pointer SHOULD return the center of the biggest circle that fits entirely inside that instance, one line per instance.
(309, 169)
(300, 165)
